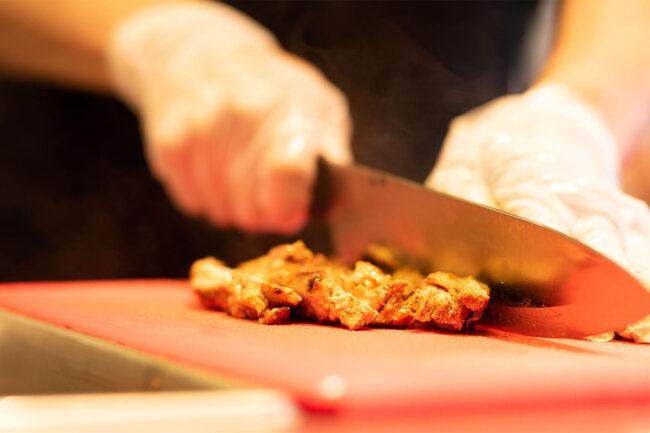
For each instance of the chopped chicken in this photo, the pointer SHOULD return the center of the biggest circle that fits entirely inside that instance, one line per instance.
(291, 278)
(240, 294)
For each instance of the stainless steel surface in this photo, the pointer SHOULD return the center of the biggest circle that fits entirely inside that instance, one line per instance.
(577, 291)
(37, 358)
(258, 410)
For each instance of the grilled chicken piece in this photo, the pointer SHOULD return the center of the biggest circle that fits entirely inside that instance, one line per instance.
(292, 277)
(241, 295)
(443, 299)
(322, 284)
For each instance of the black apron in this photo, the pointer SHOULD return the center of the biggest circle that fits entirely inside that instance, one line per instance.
(77, 200)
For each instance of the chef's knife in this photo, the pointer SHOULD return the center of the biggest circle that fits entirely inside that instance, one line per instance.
(543, 282)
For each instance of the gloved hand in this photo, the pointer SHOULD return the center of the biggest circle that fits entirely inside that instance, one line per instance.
(547, 156)
(233, 124)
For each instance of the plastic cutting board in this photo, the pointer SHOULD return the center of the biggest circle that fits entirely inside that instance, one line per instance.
(331, 368)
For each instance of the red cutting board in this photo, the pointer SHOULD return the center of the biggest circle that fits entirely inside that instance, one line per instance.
(332, 368)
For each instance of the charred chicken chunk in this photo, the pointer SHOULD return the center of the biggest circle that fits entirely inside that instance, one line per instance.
(292, 278)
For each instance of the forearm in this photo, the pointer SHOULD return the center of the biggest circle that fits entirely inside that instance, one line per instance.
(61, 41)
(602, 52)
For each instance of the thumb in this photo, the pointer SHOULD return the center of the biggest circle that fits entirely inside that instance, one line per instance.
(637, 249)
(461, 179)
(333, 136)
(286, 170)
(457, 171)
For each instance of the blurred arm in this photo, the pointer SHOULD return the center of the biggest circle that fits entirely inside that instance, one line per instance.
(602, 52)
(61, 41)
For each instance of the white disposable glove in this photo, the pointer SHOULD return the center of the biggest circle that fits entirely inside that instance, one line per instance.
(547, 156)
(233, 124)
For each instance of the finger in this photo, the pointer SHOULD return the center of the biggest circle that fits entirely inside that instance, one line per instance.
(461, 180)
(287, 171)
(334, 146)
(209, 176)
(335, 126)
(288, 176)
(638, 332)
(587, 199)
(307, 129)
(601, 338)
(521, 182)
(172, 166)
(633, 253)
(169, 149)
(457, 170)
(285, 198)
(533, 201)
(204, 110)
(600, 233)
(255, 95)
(637, 249)
(249, 143)
(228, 116)
(214, 162)
(309, 117)
(641, 211)
(179, 179)
(243, 185)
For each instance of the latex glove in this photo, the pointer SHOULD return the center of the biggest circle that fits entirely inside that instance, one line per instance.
(233, 124)
(547, 156)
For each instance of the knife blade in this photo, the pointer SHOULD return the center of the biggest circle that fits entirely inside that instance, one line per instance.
(543, 282)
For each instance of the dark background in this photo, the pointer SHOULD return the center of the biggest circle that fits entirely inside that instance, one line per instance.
(77, 200)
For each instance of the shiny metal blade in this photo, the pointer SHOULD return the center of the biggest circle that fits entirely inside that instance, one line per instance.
(544, 283)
